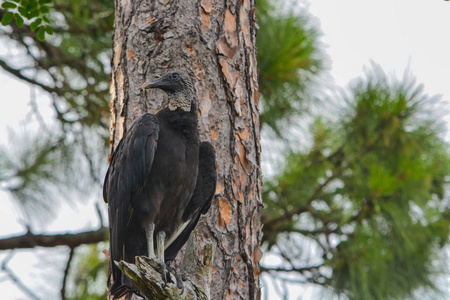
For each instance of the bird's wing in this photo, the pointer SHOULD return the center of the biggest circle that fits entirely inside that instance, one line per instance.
(132, 160)
(199, 203)
(209, 174)
(130, 165)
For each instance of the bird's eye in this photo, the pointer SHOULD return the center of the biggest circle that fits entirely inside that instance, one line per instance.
(175, 75)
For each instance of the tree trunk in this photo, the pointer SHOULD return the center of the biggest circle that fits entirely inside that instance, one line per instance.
(214, 42)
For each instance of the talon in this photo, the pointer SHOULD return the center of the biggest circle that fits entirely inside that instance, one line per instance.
(182, 288)
(180, 284)
(160, 237)
(163, 273)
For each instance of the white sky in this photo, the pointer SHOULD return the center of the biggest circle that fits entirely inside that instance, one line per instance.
(392, 33)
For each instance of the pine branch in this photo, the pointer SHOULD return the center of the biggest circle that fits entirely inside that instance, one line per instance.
(72, 240)
(291, 269)
(311, 274)
(308, 208)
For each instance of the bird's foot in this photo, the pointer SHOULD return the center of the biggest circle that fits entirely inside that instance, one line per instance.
(159, 266)
(180, 284)
(163, 272)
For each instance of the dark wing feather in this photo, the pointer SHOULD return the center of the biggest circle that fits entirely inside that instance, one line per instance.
(200, 201)
(130, 165)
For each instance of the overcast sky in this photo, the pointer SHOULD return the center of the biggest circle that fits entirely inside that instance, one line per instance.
(392, 33)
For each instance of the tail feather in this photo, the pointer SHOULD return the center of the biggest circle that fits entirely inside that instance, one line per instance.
(118, 290)
(122, 287)
(134, 244)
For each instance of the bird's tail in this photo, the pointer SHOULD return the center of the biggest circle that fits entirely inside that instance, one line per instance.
(121, 284)
(125, 245)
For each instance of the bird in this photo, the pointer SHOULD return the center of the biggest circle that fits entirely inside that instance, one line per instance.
(161, 178)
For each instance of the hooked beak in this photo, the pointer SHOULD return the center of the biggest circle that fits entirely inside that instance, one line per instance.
(148, 85)
(160, 83)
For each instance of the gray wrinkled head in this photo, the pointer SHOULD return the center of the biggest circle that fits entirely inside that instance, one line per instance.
(179, 88)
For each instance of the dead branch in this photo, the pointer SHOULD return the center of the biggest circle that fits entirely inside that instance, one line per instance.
(148, 279)
(72, 240)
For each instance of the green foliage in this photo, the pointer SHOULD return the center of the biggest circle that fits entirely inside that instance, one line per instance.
(73, 65)
(41, 34)
(43, 170)
(34, 11)
(404, 163)
(34, 171)
(7, 18)
(84, 42)
(288, 60)
(9, 5)
(19, 20)
(88, 277)
(370, 192)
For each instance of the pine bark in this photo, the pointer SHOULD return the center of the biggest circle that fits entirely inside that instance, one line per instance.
(214, 42)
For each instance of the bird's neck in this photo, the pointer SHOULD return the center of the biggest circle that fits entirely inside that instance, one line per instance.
(182, 101)
(181, 111)
(185, 123)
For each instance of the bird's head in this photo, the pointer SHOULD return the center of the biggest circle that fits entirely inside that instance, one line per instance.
(179, 88)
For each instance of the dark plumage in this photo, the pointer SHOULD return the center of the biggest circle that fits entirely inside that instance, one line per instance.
(200, 201)
(159, 181)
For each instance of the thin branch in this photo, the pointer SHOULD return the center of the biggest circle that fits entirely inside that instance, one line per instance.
(292, 269)
(18, 73)
(290, 280)
(36, 112)
(88, 157)
(58, 57)
(30, 167)
(289, 214)
(30, 240)
(60, 114)
(279, 290)
(317, 190)
(66, 273)
(285, 256)
(309, 233)
(16, 280)
(311, 274)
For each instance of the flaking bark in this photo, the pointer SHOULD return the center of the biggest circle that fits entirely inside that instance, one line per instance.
(214, 42)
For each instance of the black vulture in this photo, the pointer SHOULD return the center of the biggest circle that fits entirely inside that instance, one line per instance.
(159, 181)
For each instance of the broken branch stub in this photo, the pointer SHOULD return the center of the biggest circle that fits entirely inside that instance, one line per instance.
(146, 276)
